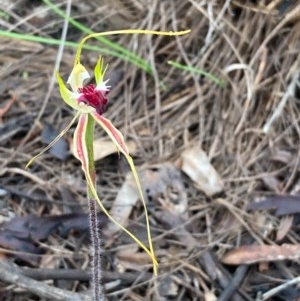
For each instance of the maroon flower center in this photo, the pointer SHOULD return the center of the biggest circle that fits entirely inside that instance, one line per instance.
(94, 98)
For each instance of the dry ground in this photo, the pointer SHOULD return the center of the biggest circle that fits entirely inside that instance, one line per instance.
(248, 129)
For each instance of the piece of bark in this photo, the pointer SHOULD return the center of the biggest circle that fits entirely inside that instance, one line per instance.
(250, 254)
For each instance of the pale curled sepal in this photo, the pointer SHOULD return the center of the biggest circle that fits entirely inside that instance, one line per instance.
(78, 75)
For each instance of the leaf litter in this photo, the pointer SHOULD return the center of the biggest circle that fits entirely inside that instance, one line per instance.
(247, 134)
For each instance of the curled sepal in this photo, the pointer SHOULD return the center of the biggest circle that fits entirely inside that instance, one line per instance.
(54, 141)
(78, 75)
(118, 140)
(83, 149)
(70, 98)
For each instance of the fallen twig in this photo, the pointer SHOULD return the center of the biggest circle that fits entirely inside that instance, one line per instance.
(10, 273)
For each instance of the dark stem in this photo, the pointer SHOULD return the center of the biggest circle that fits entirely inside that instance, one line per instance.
(98, 292)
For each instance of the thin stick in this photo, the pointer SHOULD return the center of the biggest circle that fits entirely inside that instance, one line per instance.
(10, 273)
(278, 111)
(279, 288)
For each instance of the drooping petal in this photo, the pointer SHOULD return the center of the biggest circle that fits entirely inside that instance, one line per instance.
(114, 134)
(80, 150)
(118, 139)
(71, 98)
(55, 140)
(83, 148)
(78, 75)
(94, 192)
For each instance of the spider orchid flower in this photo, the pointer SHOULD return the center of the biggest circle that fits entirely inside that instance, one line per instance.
(89, 103)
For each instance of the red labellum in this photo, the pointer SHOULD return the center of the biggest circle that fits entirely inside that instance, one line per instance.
(93, 97)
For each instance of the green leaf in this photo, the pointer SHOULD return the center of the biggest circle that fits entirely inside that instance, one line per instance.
(198, 71)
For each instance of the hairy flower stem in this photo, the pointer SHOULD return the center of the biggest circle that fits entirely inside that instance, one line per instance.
(98, 293)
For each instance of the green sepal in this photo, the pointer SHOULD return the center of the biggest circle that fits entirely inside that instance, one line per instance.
(69, 97)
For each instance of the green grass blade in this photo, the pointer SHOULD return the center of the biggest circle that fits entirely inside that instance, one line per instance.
(131, 57)
(210, 76)
(48, 41)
